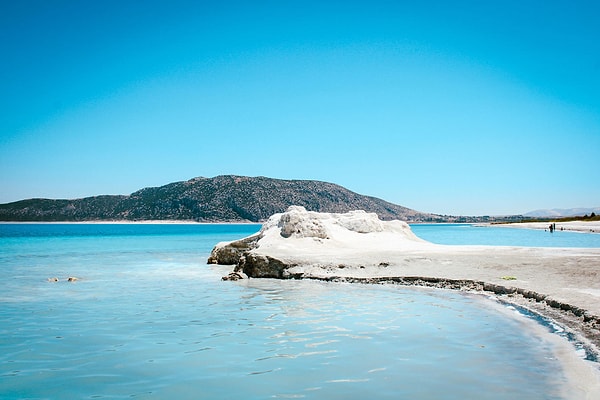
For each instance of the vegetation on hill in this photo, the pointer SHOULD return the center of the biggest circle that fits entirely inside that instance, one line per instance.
(219, 199)
(591, 217)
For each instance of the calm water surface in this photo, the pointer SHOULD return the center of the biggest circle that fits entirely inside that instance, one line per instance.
(149, 319)
(495, 236)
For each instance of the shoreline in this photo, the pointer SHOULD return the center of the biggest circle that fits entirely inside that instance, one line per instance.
(573, 334)
(558, 283)
(575, 344)
(357, 245)
(561, 284)
(569, 226)
(585, 327)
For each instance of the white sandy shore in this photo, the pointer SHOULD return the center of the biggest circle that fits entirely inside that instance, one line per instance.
(570, 276)
(363, 247)
(359, 246)
(575, 226)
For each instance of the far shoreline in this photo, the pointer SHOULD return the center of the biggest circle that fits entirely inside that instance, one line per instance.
(569, 226)
(126, 222)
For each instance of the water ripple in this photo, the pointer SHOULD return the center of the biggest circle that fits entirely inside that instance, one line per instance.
(149, 319)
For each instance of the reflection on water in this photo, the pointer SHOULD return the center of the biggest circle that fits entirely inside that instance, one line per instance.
(156, 322)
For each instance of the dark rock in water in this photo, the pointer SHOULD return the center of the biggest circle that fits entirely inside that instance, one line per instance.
(230, 253)
(235, 276)
(261, 266)
(69, 279)
(247, 264)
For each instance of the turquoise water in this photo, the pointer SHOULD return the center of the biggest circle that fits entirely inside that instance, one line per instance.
(495, 236)
(149, 319)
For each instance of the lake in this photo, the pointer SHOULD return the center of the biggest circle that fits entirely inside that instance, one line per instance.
(148, 318)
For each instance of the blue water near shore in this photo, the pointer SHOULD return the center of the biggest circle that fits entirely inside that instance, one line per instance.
(150, 319)
(457, 234)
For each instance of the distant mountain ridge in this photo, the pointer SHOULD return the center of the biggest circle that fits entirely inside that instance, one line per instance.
(563, 212)
(226, 198)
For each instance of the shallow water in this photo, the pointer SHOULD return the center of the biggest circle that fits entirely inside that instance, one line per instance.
(149, 319)
(457, 234)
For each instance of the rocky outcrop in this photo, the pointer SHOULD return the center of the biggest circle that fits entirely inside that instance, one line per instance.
(285, 236)
(229, 253)
(262, 266)
(246, 263)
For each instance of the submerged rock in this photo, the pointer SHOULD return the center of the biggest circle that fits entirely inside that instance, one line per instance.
(235, 276)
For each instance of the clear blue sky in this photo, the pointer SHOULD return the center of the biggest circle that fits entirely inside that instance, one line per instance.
(463, 107)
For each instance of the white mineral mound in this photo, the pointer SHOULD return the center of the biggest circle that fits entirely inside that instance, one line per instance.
(309, 236)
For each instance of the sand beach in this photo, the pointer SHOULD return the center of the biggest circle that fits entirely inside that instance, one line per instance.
(573, 226)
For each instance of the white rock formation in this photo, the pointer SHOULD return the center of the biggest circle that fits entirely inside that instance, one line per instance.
(300, 238)
(353, 230)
